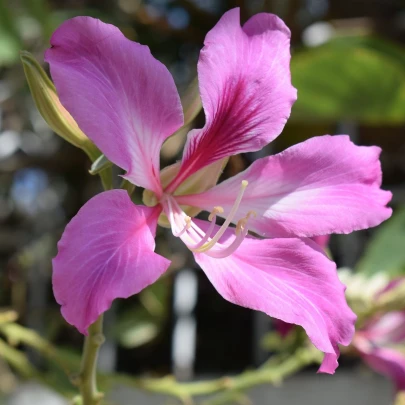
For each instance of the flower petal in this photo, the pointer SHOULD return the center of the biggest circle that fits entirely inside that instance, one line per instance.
(322, 240)
(106, 252)
(283, 328)
(288, 279)
(387, 329)
(122, 98)
(388, 362)
(321, 186)
(245, 86)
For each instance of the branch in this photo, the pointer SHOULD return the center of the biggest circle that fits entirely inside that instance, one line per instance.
(229, 387)
(226, 389)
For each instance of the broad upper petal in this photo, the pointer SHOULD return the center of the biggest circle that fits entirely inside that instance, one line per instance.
(245, 86)
(321, 186)
(122, 98)
(288, 279)
(106, 252)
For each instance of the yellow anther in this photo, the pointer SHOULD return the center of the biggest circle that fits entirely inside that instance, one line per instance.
(241, 224)
(215, 211)
(210, 244)
(188, 222)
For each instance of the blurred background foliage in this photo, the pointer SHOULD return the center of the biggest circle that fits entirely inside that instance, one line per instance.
(348, 64)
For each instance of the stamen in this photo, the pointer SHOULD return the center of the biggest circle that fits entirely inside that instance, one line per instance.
(212, 217)
(241, 225)
(214, 212)
(228, 250)
(199, 241)
(174, 217)
(228, 220)
(186, 227)
(241, 231)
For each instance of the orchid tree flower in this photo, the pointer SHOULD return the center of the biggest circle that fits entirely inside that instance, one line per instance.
(126, 102)
(381, 341)
(381, 345)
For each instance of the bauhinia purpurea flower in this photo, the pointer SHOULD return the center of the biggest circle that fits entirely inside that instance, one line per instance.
(380, 338)
(126, 102)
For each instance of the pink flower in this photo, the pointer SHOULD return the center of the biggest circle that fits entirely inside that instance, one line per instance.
(283, 328)
(127, 103)
(381, 343)
(378, 345)
(322, 240)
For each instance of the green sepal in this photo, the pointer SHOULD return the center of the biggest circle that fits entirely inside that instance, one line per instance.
(100, 164)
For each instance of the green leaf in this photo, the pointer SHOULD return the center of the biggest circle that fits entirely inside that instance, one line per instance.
(9, 48)
(139, 334)
(136, 327)
(8, 20)
(389, 49)
(10, 40)
(386, 252)
(350, 80)
(39, 10)
(17, 359)
(141, 324)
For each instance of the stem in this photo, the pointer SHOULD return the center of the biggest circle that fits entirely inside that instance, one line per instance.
(87, 378)
(106, 175)
(266, 375)
(227, 387)
(126, 185)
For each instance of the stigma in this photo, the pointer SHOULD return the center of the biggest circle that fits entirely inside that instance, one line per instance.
(208, 242)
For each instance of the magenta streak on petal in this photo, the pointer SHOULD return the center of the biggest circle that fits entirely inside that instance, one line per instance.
(106, 252)
(234, 103)
(245, 87)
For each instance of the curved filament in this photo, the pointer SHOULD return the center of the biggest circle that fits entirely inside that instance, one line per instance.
(199, 241)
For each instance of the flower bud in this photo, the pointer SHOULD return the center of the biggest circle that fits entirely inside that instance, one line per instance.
(47, 101)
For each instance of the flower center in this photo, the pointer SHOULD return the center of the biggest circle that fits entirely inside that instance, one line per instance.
(200, 241)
